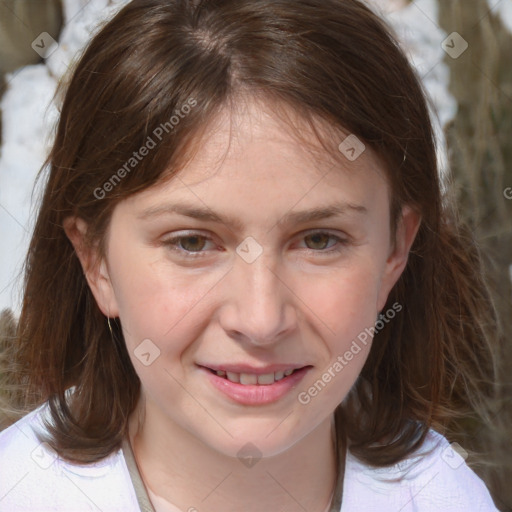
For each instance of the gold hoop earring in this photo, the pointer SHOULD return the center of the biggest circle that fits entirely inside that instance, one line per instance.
(110, 327)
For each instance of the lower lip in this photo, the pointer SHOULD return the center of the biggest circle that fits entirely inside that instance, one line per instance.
(259, 394)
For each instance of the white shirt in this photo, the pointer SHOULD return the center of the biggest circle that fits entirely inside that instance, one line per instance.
(34, 479)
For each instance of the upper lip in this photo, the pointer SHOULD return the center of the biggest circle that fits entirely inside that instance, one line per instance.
(256, 370)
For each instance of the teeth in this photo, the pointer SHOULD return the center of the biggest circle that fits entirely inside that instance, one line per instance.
(252, 379)
(278, 375)
(267, 378)
(248, 378)
(233, 377)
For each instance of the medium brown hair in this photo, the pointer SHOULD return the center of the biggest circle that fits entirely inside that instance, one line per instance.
(333, 61)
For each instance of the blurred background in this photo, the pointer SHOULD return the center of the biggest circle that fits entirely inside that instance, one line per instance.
(462, 49)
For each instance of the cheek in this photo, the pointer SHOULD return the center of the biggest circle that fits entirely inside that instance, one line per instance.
(157, 302)
(345, 303)
(345, 307)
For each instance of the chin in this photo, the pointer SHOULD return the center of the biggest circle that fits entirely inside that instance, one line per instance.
(254, 440)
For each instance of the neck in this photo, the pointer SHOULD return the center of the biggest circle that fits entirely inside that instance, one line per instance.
(186, 473)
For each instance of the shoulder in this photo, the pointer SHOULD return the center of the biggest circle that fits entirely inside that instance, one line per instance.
(34, 478)
(435, 477)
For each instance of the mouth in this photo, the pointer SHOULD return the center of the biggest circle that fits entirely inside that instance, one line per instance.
(251, 386)
(252, 379)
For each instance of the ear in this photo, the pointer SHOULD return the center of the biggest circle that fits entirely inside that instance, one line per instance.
(406, 231)
(94, 266)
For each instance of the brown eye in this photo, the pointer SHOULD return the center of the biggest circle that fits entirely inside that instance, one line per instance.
(193, 243)
(318, 241)
(189, 245)
(324, 243)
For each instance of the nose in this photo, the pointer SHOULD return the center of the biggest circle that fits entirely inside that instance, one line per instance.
(260, 308)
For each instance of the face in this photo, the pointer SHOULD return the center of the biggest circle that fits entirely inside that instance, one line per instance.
(258, 258)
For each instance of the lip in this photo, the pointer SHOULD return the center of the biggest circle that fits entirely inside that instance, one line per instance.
(257, 394)
(246, 368)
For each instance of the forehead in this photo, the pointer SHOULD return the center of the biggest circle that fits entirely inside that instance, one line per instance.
(263, 155)
(259, 141)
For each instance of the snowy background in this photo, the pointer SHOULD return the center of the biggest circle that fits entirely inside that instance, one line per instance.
(29, 114)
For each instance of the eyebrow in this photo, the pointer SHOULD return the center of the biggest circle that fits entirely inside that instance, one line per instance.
(207, 215)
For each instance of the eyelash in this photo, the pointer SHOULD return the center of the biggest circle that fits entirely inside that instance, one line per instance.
(173, 244)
